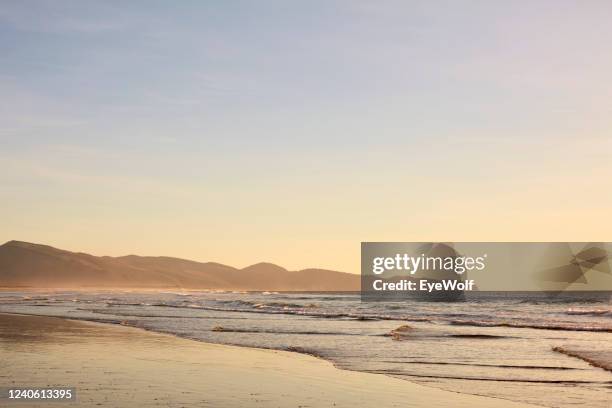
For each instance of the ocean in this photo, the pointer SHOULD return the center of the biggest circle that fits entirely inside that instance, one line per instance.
(545, 349)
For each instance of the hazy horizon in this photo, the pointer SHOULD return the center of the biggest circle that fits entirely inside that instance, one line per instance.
(289, 133)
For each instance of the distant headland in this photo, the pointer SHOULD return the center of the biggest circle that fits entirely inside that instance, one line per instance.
(28, 265)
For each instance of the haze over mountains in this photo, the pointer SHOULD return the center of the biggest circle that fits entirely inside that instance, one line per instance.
(24, 264)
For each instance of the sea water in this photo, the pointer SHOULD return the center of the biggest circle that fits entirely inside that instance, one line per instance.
(549, 350)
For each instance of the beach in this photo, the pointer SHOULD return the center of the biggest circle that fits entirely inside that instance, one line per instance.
(115, 366)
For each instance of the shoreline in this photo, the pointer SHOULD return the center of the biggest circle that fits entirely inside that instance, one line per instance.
(116, 365)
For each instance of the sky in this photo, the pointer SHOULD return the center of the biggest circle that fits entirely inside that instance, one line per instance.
(289, 132)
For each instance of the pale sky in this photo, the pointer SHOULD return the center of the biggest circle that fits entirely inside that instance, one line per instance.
(289, 132)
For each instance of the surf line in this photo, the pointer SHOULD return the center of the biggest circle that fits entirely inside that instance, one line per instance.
(423, 285)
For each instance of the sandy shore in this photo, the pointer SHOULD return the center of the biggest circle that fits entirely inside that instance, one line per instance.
(118, 366)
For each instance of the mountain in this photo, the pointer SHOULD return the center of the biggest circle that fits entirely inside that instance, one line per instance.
(23, 264)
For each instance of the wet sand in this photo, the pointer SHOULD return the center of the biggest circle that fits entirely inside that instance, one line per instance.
(117, 366)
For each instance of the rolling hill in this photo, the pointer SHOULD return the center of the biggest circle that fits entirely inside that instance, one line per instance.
(23, 264)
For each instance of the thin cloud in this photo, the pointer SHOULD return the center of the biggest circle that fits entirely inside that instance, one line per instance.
(53, 17)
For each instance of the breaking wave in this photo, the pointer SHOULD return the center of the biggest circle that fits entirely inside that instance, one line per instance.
(589, 312)
(543, 326)
(599, 359)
